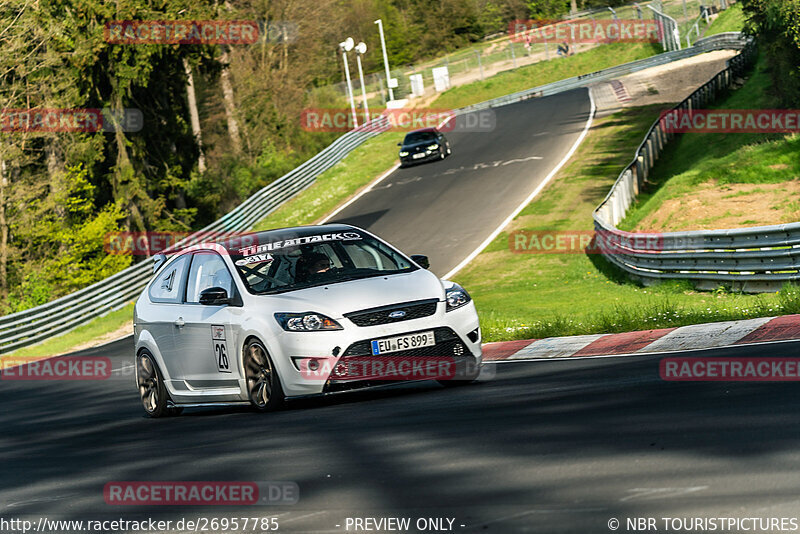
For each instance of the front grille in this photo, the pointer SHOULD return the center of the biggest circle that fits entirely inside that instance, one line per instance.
(378, 316)
(447, 344)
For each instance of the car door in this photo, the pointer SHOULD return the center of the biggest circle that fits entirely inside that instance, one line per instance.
(205, 341)
(159, 317)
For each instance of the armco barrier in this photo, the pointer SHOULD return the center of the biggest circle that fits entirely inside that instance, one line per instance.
(42, 322)
(752, 259)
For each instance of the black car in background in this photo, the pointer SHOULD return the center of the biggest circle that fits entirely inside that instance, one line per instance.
(421, 145)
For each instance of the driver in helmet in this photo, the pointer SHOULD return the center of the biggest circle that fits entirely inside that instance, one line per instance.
(312, 265)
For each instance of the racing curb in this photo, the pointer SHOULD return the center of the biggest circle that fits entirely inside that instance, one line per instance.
(692, 337)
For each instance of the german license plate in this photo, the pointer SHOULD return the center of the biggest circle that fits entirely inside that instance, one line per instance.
(418, 155)
(407, 342)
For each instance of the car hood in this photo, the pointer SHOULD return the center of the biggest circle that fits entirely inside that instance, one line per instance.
(335, 300)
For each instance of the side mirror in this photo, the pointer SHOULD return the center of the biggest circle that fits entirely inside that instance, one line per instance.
(421, 260)
(399, 144)
(214, 296)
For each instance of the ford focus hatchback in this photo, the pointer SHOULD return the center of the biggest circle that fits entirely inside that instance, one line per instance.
(296, 312)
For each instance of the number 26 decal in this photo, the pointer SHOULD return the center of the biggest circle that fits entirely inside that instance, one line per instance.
(220, 350)
(221, 355)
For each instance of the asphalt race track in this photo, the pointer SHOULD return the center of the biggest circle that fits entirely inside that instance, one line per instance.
(446, 209)
(549, 446)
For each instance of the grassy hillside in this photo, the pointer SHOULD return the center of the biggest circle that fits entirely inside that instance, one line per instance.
(717, 160)
(545, 72)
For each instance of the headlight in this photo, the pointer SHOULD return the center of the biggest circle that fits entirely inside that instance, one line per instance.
(433, 146)
(403, 153)
(456, 296)
(306, 322)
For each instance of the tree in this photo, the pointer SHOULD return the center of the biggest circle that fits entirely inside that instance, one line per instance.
(63, 191)
(548, 9)
(194, 115)
(776, 23)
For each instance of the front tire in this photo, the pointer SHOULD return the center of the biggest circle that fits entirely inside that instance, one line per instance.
(263, 383)
(152, 391)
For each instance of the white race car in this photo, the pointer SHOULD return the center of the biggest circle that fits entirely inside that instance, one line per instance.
(296, 312)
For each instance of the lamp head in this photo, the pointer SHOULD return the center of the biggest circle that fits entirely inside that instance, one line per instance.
(347, 44)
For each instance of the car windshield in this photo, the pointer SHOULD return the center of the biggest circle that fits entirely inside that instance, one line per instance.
(418, 137)
(313, 260)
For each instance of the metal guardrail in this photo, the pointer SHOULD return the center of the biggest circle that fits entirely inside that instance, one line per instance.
(694, 27)
(34, 325)
(670, 34)
(754, 259)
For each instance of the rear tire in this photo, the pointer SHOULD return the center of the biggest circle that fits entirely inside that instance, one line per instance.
(152, 391)
(263, 383)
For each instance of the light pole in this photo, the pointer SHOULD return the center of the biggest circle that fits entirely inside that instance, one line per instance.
(379, 22)
(346, 46)
(361, 48)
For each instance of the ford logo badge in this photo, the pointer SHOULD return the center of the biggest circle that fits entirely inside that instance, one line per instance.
(399, 314)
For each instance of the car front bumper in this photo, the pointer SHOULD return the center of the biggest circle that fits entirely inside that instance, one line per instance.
(457, 336)
(409, 160)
